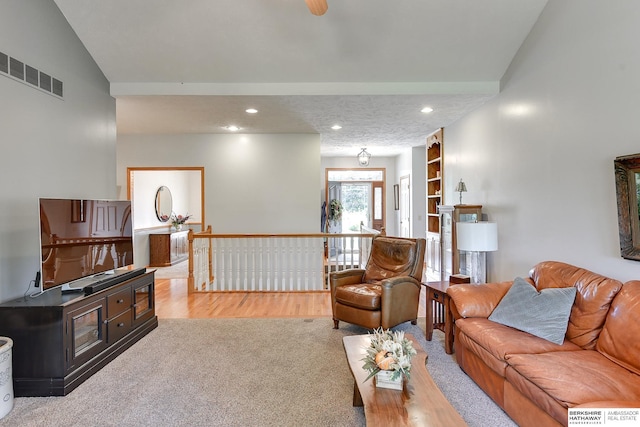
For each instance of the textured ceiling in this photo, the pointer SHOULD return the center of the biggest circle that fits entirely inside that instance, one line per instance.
(368, 65)
(384, 124)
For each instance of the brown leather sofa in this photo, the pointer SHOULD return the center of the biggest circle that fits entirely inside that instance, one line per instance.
(534, 380)
(387, 291)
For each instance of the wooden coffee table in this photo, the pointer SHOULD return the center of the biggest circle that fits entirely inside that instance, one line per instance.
(421, 403)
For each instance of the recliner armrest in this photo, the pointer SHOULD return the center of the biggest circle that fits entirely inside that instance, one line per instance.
(346, 277)
(393, 281)
(477, 300)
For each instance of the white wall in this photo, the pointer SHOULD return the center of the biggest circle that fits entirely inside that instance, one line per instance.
(51, 147)
(412, 163)
(419, 191)
(539, 157)
(253, 183)
(404, 167)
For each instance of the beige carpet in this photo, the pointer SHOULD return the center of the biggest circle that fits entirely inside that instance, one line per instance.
(239, 372)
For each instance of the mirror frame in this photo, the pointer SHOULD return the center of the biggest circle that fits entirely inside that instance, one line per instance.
(161, 189)
(626, 168)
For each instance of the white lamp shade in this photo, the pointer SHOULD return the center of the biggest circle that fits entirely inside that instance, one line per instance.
(477, 236)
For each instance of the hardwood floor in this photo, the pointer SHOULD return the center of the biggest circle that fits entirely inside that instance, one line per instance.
(173, 301)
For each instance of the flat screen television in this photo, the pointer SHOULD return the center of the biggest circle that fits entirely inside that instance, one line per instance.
(83, 239)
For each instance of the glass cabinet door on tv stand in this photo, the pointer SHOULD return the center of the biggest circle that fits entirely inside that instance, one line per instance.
(86, 333)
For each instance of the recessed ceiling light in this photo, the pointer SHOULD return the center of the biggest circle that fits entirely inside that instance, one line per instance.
(232, 128)
(426, 110)
(251, 110)
(336, 127)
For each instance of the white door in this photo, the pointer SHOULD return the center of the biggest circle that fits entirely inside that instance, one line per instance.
(405, 208)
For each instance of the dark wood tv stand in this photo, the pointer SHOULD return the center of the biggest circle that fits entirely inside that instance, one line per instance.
(60, 340)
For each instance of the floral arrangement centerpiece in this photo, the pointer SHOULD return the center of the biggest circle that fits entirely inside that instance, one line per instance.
(178, 220)
(388, 358)
(335, 210)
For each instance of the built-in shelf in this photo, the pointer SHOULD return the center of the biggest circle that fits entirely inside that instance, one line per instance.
(434, 178)
(435, 186)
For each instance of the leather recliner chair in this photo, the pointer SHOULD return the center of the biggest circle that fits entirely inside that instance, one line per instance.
(386, 292)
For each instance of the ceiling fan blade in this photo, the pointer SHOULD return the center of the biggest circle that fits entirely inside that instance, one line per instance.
(317, 7)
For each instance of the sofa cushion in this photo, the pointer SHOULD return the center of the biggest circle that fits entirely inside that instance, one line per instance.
(363, 295)
(595, 293)
(571, 378)
(620, 337)
(492, 342)
(544, 314)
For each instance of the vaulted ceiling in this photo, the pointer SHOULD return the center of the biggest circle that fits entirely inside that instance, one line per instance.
(370, 66)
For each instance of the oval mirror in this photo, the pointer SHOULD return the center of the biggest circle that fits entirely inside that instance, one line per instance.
(164, 204)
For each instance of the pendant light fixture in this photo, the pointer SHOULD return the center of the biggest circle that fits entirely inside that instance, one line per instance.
(363, 157)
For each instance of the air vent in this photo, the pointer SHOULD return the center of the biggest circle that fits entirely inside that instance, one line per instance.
(31, 75)
(45, 82)
(4, 63)
(57, 87)
(18, 70)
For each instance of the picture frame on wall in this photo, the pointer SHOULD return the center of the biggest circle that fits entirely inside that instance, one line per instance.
(396, 197)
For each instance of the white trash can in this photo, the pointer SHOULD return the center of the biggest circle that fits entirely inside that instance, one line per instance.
(6, 379)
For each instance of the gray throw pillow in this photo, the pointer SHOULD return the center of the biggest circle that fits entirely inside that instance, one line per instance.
(544, 314)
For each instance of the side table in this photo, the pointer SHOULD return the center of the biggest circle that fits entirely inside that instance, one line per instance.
(437, 306)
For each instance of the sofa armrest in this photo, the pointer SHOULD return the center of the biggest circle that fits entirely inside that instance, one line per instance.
(476, 300)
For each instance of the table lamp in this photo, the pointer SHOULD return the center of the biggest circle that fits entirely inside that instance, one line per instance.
(477, 238)
(461, 188)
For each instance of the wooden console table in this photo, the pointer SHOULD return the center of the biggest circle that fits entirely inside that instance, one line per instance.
(168, 248)
(421, 403)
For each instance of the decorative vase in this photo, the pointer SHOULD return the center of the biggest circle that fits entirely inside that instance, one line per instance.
(178, 227)
(383, 380)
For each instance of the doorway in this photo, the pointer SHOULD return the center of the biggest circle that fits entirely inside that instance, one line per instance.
(186, 184)
(361, 195)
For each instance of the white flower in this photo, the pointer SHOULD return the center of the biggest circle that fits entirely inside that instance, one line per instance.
(404, 361)
(394, 345)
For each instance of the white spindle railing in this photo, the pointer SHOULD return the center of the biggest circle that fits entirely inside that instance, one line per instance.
(272, 262)
(267, 264)
(200, 259)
